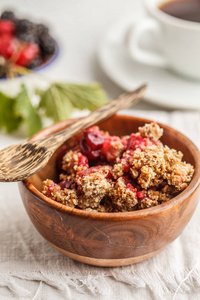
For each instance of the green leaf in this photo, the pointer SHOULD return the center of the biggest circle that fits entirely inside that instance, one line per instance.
(60, 99)
(8, 117)
(25, 109)
(84, 96)
(55, 104)
(58, 102)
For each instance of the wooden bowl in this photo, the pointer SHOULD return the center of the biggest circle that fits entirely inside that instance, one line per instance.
(112, 239)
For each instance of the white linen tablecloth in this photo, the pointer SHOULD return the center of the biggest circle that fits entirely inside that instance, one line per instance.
(31, 269)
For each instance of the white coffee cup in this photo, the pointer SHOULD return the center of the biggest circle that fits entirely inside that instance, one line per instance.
(177, 40)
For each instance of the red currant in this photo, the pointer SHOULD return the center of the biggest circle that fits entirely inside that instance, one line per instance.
(28, 54)
(82, 160)
(91, 143)
(140, 195)
(50, 189)
(6, 27)
(112, 148)
(137, 141)
(65, 184)
(8, 45)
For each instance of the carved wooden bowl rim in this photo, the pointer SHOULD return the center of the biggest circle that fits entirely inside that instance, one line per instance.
(119, 215)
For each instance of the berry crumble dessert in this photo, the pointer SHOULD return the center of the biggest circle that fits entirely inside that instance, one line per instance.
(104, 173)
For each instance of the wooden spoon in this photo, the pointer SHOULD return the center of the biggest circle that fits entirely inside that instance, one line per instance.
(21, 161)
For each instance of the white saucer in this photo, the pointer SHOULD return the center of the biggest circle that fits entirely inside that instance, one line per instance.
(164, 87)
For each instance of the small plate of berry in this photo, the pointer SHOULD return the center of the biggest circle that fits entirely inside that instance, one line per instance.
(24, 46)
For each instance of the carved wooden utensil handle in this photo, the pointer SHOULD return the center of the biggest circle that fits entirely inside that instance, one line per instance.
(100, 114)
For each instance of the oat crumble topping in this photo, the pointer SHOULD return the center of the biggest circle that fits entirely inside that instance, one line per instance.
(151, 131)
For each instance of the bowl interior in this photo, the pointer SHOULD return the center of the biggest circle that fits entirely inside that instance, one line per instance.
(117, 125)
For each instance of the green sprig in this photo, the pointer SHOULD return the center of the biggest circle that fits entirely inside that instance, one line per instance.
(57, 102)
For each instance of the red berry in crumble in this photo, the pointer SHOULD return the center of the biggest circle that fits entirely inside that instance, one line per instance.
(91, 143)
(112, 148)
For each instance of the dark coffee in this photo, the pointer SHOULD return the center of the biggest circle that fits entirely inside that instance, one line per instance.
(183, 9)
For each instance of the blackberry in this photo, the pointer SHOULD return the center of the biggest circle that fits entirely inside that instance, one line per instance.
(27, 37)
(25, 26)
(35, 63)
(42, 30)
(47, 45)
(8, 15)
